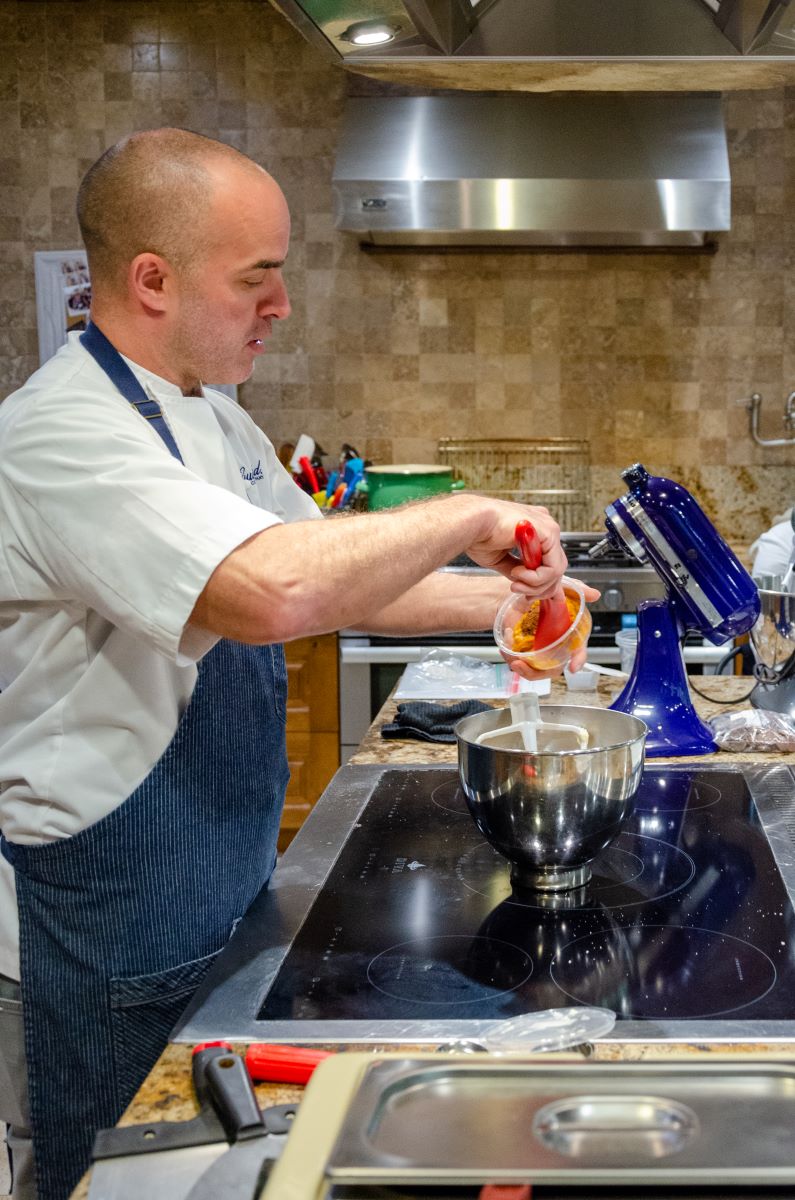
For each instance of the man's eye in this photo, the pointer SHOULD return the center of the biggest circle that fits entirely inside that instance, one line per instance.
(253, 282)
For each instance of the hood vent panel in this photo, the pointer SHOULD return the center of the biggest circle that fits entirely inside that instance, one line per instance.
(537, 29)
(521, 170)
(559, 45)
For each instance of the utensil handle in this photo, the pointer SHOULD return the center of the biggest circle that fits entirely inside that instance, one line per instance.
(282, 1064)
(309, 473)
(203, 1054)
(529, 545)
(598, 669)
(223, 1074)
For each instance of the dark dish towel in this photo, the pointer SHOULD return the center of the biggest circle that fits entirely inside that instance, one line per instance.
(430, 722)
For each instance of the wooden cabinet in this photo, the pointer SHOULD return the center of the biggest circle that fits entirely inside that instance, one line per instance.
(313, 726)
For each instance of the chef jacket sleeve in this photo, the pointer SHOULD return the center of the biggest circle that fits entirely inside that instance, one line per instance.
(773, 551)
(101, 514)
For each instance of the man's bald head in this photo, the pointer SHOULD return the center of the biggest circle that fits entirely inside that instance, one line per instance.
(153, 192)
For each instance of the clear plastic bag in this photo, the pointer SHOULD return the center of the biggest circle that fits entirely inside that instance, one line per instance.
(455, 670)
(753, 729)
(443, 674)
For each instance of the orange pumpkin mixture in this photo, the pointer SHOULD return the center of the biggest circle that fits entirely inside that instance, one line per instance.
(524, 632)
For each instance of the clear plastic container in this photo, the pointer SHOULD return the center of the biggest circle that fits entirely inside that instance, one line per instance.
(580, 681)
(556, 654)
(627, 642)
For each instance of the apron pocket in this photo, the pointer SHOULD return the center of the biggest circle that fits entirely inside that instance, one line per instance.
(144, 1010)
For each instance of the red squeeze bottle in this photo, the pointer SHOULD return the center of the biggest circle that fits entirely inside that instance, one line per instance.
(554, 618)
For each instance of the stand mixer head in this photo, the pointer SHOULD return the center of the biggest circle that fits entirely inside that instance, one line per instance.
(708, 591)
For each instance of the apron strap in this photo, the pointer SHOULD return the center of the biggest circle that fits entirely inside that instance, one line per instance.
(114, 366)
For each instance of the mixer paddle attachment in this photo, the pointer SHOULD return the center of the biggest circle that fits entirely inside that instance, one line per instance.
(530, 732)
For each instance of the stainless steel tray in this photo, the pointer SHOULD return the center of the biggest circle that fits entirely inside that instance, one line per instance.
(413, 1121)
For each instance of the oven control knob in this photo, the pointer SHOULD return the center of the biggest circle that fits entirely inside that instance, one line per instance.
(613, 598)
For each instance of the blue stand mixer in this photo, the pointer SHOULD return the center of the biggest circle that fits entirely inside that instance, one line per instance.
(708, 592)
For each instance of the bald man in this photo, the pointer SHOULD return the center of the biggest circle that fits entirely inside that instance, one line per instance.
(153, 558)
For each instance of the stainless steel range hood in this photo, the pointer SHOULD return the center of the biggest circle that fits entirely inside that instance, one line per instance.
(556, 44)
(521, 170)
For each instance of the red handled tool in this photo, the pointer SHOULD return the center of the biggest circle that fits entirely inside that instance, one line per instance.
(554, 618)
(282, 1064)
(308, 472)
(269, 1063)
(529, 544)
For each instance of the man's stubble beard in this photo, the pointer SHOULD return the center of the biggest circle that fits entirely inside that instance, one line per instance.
(196, 348)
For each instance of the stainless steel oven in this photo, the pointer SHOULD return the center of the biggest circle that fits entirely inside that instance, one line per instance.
(371, 666)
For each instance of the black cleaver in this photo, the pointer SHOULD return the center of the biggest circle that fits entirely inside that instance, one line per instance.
(171, 1159)
(240, 1173)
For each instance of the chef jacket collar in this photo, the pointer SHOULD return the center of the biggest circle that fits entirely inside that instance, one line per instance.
(156, 383)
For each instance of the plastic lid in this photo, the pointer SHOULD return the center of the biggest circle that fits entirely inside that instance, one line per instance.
(550, 1029)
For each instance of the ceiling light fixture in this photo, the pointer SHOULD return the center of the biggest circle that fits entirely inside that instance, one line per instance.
(369, 33)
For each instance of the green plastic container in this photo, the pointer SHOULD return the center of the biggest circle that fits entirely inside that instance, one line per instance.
(399, 482)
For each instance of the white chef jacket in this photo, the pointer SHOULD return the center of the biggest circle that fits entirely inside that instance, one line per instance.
(106, 542)
(773, 551)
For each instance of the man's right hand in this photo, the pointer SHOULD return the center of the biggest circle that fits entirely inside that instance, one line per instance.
(494, 550)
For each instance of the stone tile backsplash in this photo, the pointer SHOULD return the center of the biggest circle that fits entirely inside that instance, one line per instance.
(650, 357)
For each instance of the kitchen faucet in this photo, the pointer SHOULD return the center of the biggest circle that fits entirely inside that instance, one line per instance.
(755, 404)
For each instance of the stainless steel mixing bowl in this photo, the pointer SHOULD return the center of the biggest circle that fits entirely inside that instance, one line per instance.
(773, 643)
(773, 635)
(551, 814)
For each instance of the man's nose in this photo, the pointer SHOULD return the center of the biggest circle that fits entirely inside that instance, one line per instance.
(277, 304)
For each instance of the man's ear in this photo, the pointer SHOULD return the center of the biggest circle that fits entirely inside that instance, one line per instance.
(149, 278)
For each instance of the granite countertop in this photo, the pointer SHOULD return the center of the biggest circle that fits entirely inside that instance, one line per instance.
(167, 1094)
(375, 749)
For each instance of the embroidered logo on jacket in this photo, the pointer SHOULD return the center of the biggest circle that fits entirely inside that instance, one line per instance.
(254, 474)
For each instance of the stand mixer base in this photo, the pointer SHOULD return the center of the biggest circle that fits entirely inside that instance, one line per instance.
(776, 697)
(657, 689)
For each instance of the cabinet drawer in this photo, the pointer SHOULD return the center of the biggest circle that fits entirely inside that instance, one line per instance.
(312, 684)
(313, 759)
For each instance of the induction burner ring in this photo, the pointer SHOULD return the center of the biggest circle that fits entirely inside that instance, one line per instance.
(450, 797)
(652, 972)
(448, 970)
(634, 870)
(617, 865)
(699, 795)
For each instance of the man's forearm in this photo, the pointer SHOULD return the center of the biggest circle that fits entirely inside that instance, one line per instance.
(441, 603)
(313, 577)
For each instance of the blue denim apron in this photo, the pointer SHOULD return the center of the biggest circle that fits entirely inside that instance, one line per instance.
(120, 923)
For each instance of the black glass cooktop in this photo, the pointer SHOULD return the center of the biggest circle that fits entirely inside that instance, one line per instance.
(686, 916)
